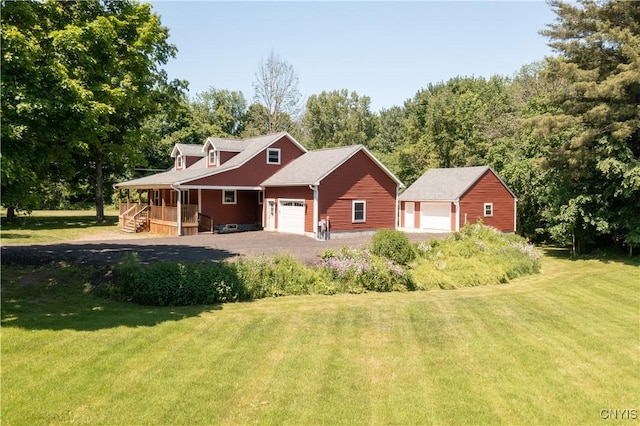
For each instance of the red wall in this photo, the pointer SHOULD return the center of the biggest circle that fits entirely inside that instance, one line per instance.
(488, 189)
(189, 161)
(294, 193)
(359, 178)
(256, 170)
(246, 210)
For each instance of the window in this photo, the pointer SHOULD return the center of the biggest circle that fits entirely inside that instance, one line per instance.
(184, 197)
(179, 161)
(228, 197)
(260, 197)
(359, 211)
(273, 156)
(212, 157)
(488, 209)
(156, 197)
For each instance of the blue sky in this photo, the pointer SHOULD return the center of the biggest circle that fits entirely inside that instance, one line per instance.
(385, 50)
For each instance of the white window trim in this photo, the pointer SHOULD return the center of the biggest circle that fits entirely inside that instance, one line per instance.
(235, 196)
(353, 211)
(490, 205)
(179, 161)
(215, 158)
(269, 151)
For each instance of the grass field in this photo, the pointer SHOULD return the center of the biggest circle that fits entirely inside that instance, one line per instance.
(56, 226)
(554, 348)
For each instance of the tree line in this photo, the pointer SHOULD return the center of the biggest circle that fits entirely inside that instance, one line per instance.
(85, 103)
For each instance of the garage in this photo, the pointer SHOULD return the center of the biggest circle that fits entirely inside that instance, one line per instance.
(291, 216)
(435, 216)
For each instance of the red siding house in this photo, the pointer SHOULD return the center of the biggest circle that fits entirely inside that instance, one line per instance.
(211, 186)
(346, 188)
(444, 200)
(268, 182)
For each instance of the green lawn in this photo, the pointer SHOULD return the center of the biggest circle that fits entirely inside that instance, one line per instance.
(554, 348)
(56, 226)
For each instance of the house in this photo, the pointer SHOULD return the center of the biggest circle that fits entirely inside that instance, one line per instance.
(346, 187)
(444, 200)
(224, 185)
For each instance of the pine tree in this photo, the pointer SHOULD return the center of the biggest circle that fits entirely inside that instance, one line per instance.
(597, 127)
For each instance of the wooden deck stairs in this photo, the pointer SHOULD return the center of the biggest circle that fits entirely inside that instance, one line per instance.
(138, 222)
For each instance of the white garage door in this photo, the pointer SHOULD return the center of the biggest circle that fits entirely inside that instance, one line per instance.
(291, 216)
(435, 216)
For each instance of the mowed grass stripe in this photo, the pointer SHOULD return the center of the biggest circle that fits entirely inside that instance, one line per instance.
(538, 350)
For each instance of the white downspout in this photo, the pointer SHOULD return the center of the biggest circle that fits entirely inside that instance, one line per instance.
(457, 204)
(397, 221)
(316, 219)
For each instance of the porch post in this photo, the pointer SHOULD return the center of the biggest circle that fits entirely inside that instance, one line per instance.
(179, 212)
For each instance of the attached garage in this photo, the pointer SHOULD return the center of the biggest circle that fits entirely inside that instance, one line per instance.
(291, 216)
(435, 216)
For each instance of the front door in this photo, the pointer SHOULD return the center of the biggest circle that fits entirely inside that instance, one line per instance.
(271, 215)
(409, 211)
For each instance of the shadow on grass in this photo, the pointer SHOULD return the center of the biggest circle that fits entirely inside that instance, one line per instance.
(46, 286)
(564, 253)
(32, 223)
(58, 297)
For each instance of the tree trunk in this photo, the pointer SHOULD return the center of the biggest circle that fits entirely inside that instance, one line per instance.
(11, 214)
(99, 190)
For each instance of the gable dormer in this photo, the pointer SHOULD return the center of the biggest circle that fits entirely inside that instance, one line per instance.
(218, 151)
(185, 155)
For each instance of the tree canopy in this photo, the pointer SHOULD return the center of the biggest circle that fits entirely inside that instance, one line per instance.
(78, 80)
(82, 87)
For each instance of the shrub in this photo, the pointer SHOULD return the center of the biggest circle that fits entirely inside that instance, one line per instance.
(283, 275)
(393, 245)
(476, 255)
(359, 270)
(176, 284)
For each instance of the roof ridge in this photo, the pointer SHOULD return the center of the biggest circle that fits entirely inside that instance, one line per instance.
(338, 147)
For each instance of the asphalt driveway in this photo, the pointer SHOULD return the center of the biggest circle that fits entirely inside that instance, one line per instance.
(203, 247)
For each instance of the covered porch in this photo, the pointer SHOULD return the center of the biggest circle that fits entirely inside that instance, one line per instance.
(166, 212)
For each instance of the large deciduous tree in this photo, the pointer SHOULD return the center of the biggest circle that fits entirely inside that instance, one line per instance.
(339, 118)
(277, 89)
(596, 163)
(78, 80)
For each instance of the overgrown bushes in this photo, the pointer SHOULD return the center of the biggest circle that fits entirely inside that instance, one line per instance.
(476, 255)
(360, 270)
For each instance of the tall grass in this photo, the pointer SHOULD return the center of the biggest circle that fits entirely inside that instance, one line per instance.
(476, 255)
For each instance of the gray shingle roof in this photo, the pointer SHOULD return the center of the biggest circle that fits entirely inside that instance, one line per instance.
(223, 144)
(199, 169)
(312, 167)
(443, 184)
(188, 149)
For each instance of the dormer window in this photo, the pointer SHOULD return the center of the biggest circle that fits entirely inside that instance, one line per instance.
(273, 156)
(179, 161)
(213, 158)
